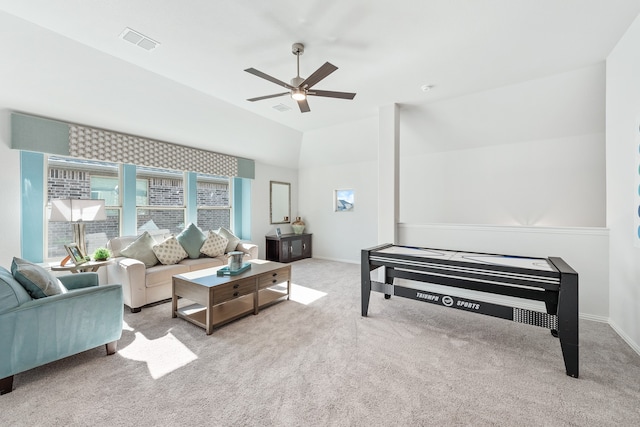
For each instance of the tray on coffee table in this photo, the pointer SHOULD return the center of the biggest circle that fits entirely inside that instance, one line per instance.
(226, 271)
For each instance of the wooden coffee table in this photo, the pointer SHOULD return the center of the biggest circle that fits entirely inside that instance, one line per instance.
(220, 299)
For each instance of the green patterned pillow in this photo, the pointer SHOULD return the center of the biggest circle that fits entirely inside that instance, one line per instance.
(170, 251)
(142, 250)
(232, 239)
(37, 281)
(215, 245)
(191, 240)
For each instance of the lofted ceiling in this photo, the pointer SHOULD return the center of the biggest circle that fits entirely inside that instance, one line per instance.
(385, 50)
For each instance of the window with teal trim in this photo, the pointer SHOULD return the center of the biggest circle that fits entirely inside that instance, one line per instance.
(69, 178)
(214, 202)
(160, 203)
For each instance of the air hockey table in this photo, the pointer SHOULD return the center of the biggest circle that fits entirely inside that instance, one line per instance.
(550, 280)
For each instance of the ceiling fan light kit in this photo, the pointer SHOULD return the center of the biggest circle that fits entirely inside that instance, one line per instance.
(299, 88)
(298, 94)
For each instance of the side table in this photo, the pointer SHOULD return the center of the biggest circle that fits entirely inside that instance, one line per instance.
(288, 247)
(92, 266)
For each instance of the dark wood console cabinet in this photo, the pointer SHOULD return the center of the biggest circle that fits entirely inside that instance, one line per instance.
(288, 247)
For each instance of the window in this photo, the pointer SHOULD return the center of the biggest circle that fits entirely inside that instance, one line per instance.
(104, 187)
(159, 200)
(82, 179)
(214, 202)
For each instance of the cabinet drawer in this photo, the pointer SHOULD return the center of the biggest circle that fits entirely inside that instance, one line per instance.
(274, 277)
(233, 290)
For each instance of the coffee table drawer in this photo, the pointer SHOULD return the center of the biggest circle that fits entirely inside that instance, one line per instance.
(233, 290)
(274, 277)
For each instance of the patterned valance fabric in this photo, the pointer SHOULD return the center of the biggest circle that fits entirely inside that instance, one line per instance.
(97, 144)
(31, 133)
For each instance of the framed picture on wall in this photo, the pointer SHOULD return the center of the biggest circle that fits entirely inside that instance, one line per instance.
(75, 253)
(343, 200)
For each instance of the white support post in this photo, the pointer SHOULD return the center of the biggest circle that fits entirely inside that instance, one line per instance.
(388, 173)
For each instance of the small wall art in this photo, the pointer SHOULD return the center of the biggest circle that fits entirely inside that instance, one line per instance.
(343, 200)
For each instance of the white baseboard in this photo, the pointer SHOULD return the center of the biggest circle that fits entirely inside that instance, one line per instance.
(599, 319)
(625, 337)
(348, 261)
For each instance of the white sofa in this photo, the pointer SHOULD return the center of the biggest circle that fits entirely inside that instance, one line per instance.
(142, 286)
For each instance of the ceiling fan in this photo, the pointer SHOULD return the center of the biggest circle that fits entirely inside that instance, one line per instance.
(300, 88)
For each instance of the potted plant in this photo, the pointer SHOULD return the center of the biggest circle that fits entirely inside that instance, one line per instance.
(101, 254)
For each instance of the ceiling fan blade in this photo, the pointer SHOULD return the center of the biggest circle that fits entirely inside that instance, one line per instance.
(268, 77)
(332, 94)
(259, 98)
(304, 106)
(318, 75)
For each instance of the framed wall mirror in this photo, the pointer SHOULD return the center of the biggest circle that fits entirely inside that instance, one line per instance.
(280, 202)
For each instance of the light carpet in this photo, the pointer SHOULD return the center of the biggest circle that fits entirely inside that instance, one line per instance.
(314, 361)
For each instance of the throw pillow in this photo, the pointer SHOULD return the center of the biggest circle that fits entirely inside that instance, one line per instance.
(215, 245)
(233, 240)
(191, 240)
(37, 281)
(170, 251)
(142, 250)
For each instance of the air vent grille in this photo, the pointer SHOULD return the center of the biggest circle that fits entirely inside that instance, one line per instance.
(281, 107)
(138, 39)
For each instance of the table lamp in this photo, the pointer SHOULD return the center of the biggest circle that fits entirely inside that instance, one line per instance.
(78, 212)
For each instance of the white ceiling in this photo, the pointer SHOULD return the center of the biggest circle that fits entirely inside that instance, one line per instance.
(385, 50)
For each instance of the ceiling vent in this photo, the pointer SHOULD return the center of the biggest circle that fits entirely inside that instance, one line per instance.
(138, 39)
(281, 107)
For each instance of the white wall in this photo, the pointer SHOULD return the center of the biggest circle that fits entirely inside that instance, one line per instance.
(525, 154)
(340, 157)
(555, 182)
(623, 142)
(260, 221)
(10, 194)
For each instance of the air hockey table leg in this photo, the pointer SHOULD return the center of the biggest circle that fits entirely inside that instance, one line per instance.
(388, 280)
(568, 319)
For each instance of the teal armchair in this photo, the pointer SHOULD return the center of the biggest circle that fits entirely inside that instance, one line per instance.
(34, 332)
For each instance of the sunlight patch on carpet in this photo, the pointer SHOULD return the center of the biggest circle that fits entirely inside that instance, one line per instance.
(162, 355)
(126, 327)
(305, 295)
